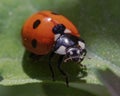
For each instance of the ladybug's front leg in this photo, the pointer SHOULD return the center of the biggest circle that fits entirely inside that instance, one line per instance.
(51, 69)
(61, 70)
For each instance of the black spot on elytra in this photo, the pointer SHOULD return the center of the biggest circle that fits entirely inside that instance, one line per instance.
(34, 43)
(36, 24)
(58, 29)
(54, 13)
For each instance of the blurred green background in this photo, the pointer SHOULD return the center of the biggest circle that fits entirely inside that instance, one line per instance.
(98, 23)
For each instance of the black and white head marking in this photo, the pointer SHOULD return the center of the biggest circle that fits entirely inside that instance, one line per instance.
(81, 44)
(58, 30)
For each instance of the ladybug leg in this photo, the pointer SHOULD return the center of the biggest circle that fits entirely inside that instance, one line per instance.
(50, 66)
(84, 52)
(83, 71)
(61, 70)
(83, 68)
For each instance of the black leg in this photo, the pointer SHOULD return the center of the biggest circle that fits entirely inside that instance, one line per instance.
(83, 71)
(84, 52)
(51, 69)
(61, 70)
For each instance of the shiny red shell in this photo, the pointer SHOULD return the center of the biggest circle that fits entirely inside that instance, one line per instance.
(37, 35)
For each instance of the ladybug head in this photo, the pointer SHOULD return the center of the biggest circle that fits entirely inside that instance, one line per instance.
(75, 54)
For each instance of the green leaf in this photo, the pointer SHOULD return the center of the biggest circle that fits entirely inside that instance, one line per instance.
(53, 89)
(111, 81)
(98, 22)
(97, 90)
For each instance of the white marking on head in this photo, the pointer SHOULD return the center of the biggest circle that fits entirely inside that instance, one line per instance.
(67, 31)
(81, 44)
(61, 50)
(56, 36)
(78, 51)
(71, 53)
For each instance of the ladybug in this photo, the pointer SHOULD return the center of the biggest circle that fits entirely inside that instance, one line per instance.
(48, 32)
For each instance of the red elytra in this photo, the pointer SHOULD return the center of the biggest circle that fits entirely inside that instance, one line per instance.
(37, 34)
